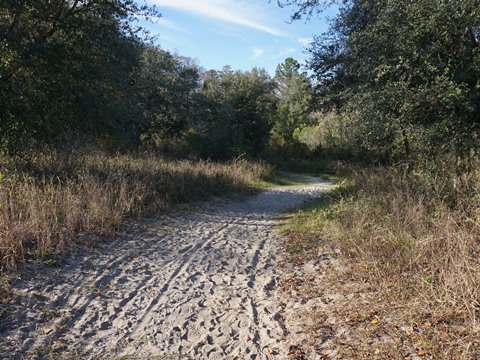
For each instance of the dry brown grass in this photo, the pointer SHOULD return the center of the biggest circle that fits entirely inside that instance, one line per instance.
(414, 239)
(48, 201)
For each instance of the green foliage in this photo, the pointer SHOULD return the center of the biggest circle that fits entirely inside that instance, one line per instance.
(295, 96)
(77, 72)
(165, 85)
(63, 70)
(306, 8)
(235, 113)
(406, 74)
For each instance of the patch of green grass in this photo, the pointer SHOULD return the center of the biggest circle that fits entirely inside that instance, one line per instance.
(303, 229)
(276, 178)
(48, 352)
(307, 219)
(52, 263)
(3, 311)
(52, 314)
(298, 248)
(5, 291)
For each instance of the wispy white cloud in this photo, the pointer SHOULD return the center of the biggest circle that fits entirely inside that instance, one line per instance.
(305, 41)
(284, 52)
(235, 12)
(257, 52)
(170, 25)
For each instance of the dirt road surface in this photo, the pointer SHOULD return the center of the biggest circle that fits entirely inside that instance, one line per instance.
(199, 284)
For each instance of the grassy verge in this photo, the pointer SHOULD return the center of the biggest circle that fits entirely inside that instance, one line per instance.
(304, 229)
(413, 241)
(48, 201)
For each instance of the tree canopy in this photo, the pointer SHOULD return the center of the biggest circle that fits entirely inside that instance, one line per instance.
(295, 99)
(236, 112)
(63, 69)
(406, 73)
(80, 71)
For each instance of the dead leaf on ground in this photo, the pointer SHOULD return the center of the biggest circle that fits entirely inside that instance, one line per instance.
(296, 352)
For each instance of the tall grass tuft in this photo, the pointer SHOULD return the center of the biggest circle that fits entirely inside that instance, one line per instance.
(414, 237)
(47, 201)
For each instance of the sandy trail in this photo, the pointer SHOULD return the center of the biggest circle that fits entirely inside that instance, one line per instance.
(198, 285)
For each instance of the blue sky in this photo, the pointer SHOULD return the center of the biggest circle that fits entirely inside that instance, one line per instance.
(240, 33)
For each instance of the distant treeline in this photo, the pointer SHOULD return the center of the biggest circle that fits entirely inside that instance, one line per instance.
(392, 81)
(78, 71)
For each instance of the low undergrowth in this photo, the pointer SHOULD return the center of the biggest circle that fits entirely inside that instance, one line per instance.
(414, 239)
(47, 201)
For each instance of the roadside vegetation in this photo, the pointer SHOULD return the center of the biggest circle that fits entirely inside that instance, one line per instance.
(46, 203)
(411, 242)
(399, 107)
(98, 125)
(52, 202)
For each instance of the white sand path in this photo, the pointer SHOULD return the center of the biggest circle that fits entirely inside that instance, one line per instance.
(198, 285)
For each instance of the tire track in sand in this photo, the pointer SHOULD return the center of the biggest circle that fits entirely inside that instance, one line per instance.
(192, 286)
